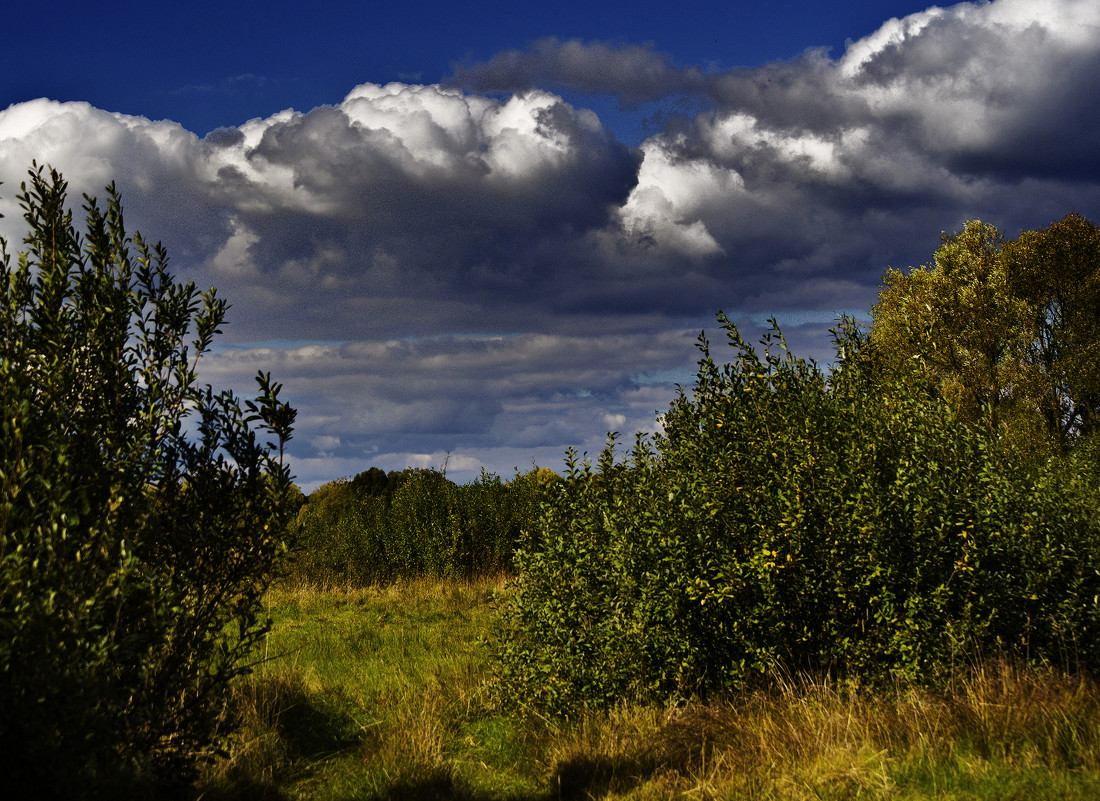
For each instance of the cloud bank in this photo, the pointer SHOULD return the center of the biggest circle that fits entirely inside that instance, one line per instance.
(483, 269)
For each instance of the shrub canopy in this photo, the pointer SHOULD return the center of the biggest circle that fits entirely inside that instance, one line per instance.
(788, 519)
(141, 516)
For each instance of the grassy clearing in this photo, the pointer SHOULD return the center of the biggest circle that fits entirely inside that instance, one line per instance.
(380, 694)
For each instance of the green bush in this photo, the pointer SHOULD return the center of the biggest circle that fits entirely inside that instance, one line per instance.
(133, 554)
(788, 520)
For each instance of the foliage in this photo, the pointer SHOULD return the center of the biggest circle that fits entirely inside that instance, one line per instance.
(789, 521)
(1057, 271)
(1007, 331)
(133, 556)
(379, 527)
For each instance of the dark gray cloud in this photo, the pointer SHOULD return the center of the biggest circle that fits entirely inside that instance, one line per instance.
(404, 401)
(633, 73)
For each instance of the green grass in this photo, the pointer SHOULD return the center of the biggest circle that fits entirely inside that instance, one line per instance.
(375, 693)
(380, 694)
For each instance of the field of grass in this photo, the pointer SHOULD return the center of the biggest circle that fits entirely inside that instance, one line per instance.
(381, 694)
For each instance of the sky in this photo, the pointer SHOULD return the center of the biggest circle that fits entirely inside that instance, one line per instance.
(478, 234)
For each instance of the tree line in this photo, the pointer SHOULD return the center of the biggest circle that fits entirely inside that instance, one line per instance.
(380, 527)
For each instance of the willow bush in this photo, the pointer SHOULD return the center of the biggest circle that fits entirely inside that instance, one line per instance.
(133, 555)
(791, 520)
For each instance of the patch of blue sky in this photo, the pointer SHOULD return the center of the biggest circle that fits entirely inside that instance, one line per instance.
(684, 376)
(273, 344)
(797, 317)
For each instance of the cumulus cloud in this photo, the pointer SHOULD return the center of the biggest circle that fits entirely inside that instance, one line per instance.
(819, 172)
(999, 90)
(354, 214)
(446, 268)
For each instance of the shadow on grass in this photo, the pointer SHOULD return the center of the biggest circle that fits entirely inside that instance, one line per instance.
(433, 785)
(572, 780)
(243, 790)
(311, 730)
(584, 777)
(285, 730)
(440, 785)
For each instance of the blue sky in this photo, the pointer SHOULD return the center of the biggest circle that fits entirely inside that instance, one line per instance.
(495, 231)
(211, 64)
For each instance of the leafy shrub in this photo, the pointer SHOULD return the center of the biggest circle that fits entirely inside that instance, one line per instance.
(133, 556)
(789, 520)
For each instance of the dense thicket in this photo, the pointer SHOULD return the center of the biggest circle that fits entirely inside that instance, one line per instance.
(788, 519)
(378, 527)
(133, 556)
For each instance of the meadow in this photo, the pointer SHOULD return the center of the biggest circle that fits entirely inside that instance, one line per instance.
(386, 692)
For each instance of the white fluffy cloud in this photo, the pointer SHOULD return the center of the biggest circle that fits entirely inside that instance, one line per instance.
(805, 179)
(409, 171)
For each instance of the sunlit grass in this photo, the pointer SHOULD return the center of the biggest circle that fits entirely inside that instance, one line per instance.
(381, 693)
(375, 692)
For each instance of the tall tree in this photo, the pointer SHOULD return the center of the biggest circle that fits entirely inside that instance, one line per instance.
(1006, 331)
(1056, 272)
